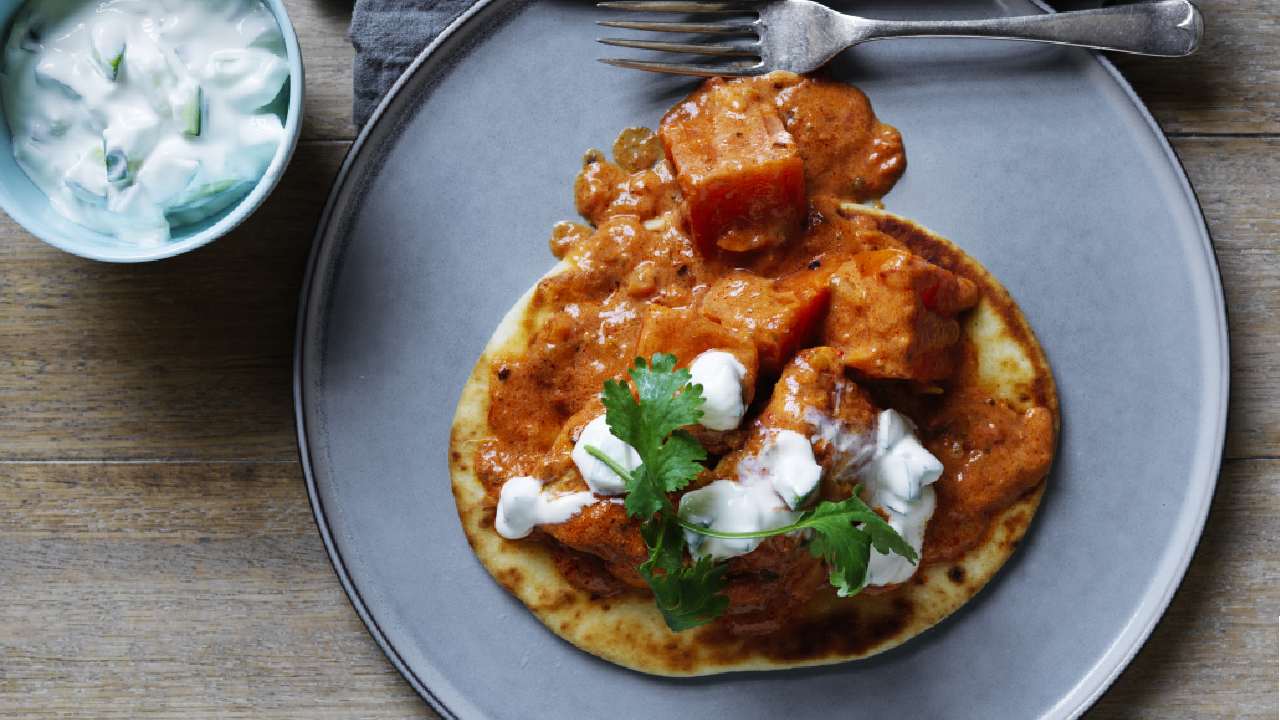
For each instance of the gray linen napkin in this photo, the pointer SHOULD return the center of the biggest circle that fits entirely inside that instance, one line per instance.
(388, 35)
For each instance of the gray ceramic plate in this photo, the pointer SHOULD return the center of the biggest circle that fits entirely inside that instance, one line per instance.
(1039, 161)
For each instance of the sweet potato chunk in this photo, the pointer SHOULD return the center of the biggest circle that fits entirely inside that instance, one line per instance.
(686, 334)
(778, 321)
(738, 167)
(893, 315)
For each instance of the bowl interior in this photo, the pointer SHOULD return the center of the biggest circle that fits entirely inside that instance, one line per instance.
(29, 206)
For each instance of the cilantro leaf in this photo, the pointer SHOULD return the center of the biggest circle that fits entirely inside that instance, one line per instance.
(691, 594)
(844, 533)
(686, 595)
(667, 400)
(670, 458)
(676, 463)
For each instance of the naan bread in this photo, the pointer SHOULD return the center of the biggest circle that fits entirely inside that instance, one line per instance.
(628, 630)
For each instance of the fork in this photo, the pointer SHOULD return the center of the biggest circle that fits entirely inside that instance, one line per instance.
(801, 36)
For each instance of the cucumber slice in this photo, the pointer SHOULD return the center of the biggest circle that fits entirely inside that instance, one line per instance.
(206, 200)
(87, 179)
(108, 46)
(187, 101)
(118, 170)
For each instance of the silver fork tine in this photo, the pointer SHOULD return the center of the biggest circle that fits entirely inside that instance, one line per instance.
(743, 67)
(727, 28)
(678, 6)
(720, 49)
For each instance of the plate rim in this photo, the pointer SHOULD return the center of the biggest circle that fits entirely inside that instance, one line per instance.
(1078, 699)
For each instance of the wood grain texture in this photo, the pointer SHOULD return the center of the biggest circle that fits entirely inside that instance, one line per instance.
(186, 358)
(1214, 653)
(1232, 85)
(322, 34)
(172, 569)
(1235, 179)
(176, 591)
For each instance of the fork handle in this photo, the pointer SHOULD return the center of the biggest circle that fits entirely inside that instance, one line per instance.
(1169, 28)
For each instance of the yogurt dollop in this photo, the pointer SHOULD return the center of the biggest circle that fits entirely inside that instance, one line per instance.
(599, 476)
(522, 504)
(780, 478)
(135, 116)
(786, 462)
(720, 374)
(771, 486)
(898, 481)
(731, 506)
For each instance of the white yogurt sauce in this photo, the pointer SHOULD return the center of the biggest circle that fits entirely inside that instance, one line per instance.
(522, 504)
(748, 505)
(897, 480)
(720, 374)
(911, 523)
(786, 462)
(135, 116)
(771, 485)
(599, 476)
(769, 488)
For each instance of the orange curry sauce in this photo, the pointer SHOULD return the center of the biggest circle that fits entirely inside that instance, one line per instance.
(725, 231)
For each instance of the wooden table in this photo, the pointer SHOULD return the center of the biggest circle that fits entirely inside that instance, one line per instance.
(157, 553)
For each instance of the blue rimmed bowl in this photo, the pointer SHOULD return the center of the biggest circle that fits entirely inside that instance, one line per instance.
(30, 207)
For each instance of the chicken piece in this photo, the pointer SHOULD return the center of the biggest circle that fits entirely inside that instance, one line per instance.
(558, 469)
(605, 531)
(893, 315)
(739, 170)
(814, 398)
(778, 321)
(602, 530)
(766, 586)
(993, 455)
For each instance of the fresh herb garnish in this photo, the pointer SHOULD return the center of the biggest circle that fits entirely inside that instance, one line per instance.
(844, 532)
(688, 593)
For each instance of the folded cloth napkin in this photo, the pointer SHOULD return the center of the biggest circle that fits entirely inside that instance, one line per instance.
(388, 35)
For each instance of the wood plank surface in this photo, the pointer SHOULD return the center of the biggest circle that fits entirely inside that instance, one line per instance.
(174, 590)
(188, 358)
(157, 553)
(1231, 86)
